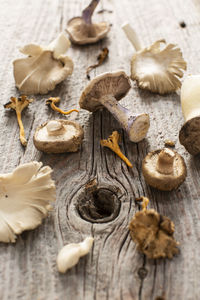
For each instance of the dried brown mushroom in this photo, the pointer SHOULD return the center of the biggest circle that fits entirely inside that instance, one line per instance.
(106, 90)
(81, 29)
(43, 68)
(52, 101)
(153, 233)
(189, 134)
(112, 143)
(25, 199)
(101, 58)
(58, 136)
(18, 104)
(155, 69)
(164, 169)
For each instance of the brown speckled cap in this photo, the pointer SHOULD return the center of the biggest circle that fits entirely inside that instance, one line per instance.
(116, 84)
(189, 135)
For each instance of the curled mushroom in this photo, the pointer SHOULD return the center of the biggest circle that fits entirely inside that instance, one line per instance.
(105, 91)
(18, 104)
(81, 29)
(189, 135)
(112, 143)
(58, 136)
(25, 198)
(164, 169)
(153, 233)
(70, 254)
(52, 101)
(44, 67)
(155, 69)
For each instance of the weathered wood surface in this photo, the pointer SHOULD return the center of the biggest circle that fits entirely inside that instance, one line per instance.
(114, 268)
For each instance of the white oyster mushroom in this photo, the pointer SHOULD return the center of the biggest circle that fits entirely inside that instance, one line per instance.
(25, 197)
(70, 254)
(44, 67)
(155, 69)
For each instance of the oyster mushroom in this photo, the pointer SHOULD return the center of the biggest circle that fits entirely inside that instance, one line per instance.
(52, 101)
(164, 169)
(19, 104)
(58, 136)
(43, 68)
(81, 29)
(154, 69)
(189, 134)
(105, 91)
(25, 197)
(153, 233)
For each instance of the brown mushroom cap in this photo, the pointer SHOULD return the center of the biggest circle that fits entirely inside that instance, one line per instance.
(189, 135)
(67, 141)
(116, 84)
(163, 182)
(82, 33)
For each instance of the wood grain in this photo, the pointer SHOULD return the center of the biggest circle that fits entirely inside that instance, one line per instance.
(114, 269)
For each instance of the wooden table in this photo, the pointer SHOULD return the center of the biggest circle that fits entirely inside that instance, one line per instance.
(114, 269)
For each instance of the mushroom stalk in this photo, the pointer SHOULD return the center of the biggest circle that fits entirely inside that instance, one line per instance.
(135, 126)
(132, 36)
(165, 161)
(88, 11)
(21, 129)
(112, 143)
(51, 101)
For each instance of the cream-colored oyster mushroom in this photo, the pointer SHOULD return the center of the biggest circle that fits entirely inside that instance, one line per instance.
(70, 254)
(58, 136)
(155, 69)
(44, 67)
(25, 198)
(106, 90)
(189, 134)
(81, 29)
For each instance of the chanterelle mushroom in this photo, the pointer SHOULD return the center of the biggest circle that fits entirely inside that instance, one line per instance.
(25, 197)
(52, 101)
(155, 69)
(81, 29)
(44, 67)
(153, 233)
(58, 136)
(164, 169)
(189, 135)
(18, 104)
(105, 91)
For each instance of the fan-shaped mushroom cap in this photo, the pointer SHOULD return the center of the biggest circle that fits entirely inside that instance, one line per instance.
(43, 68)
(25, 197)
(164, 169)
(82, 33)
(158, 70)
(116, 84)
(58, 136)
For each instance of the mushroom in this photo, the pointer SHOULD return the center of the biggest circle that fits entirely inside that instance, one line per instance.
(44, 67)
(153, 233)
(54, 100)
(112, 143)
(70, 254)
(81, 29)
(58, 136)
(105, 91)
(155, 69)
(25, 197)
(189, 134)
(164, 169)
(18, 104)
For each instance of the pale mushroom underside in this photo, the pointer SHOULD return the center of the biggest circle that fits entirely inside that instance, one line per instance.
(158, 69)
(40, 72)
(25, 197)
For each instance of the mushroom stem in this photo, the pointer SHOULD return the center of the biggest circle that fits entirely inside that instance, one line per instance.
(55, 128)
(21, 129)
(132, 36)
(145, 202)
(88, 11)
(165, 161)
(135, 126)
(52, 100)
(112, 143)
